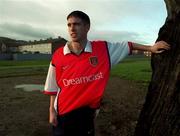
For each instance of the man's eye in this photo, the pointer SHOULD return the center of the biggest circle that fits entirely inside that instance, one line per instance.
(77, 24)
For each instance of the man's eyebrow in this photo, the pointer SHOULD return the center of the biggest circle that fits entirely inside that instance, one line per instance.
(75, 23)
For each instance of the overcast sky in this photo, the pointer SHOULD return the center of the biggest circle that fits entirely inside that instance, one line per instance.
(111, 20)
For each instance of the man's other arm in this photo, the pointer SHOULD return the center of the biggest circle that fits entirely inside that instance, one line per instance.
(158, 47)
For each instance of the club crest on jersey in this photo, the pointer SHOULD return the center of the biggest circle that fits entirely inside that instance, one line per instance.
(93, 60)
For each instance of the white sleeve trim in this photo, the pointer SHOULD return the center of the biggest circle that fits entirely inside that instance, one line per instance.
(51, 84)
(118, 51)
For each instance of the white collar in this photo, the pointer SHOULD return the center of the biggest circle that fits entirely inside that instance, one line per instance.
(88, 48)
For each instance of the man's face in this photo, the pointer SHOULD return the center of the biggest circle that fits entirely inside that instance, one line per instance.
(77, 29)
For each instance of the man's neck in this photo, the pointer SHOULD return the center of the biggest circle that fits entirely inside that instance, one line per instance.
(77, 47)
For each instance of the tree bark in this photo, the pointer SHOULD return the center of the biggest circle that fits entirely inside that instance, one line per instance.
(160, 115)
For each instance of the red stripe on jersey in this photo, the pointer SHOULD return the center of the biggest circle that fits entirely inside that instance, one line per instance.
(130, 47)
(49, 93)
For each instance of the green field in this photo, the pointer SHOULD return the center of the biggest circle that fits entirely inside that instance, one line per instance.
(23, 68)
(137, 69)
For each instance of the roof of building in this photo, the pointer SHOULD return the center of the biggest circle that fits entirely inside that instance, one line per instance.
(15, 43)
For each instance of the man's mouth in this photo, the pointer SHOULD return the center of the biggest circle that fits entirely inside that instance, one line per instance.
(73, 34)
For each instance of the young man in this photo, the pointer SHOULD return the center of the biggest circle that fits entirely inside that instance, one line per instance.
(78, 75)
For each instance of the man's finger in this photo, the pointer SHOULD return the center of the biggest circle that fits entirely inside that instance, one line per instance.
(160, 51)
(165, 43)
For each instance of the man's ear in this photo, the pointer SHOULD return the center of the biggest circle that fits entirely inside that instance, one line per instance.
(87, 27)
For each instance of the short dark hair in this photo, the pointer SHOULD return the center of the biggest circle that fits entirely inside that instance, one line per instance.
(85, 18)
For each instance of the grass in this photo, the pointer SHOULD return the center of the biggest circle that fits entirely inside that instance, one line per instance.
(136, 69)
(4, 64)
(23, 68)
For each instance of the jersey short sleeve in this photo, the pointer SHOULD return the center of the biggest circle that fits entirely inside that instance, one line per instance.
(51, 87)
(118, 51)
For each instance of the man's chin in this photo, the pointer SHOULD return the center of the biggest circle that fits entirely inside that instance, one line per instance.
(74, 40)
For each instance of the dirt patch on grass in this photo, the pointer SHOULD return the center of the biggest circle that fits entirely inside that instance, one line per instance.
(26, 113)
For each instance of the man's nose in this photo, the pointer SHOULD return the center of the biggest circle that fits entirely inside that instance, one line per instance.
(72, 28)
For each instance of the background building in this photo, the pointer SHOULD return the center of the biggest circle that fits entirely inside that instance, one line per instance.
(11, 49)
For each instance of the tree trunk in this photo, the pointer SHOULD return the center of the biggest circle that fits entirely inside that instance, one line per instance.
(160, 115)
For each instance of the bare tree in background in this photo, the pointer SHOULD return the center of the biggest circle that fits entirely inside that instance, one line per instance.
(160, 115)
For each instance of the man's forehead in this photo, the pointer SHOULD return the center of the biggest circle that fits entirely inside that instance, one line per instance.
(74, 19)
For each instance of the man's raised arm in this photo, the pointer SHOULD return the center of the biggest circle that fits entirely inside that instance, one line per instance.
(158, 47)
